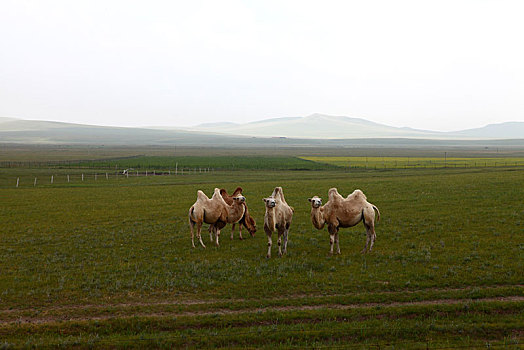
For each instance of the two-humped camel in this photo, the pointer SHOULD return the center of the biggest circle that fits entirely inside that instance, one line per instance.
(214, 211)
(344, 212)
(246, 220)
(277, 218)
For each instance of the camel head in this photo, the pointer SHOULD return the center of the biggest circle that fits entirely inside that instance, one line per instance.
(316, 202)
(239, 199)
(251, 225)
(270, 202)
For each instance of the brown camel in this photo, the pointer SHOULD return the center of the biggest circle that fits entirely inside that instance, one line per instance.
(214, 211)
(340, 212)
(246, 220)
(277, 218)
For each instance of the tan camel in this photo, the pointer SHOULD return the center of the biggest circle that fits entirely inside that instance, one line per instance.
(277, 218)
(247, 220)
(214, 211)
(340, 212)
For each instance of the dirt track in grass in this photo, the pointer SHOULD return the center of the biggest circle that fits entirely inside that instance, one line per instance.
(103, 312)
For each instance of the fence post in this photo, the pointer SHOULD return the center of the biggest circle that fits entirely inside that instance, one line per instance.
(107, 177)
(82, 177)
(52, 179)
(34, 185)
(67, 178)
(17, 181)
(176, 169)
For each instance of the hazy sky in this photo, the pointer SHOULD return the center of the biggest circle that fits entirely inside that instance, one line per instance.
(439, 65)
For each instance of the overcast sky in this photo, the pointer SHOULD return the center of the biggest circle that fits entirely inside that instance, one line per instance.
(438, 65)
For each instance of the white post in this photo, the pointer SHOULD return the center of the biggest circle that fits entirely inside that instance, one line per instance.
(176, 169)
(82, 177)
(17, 181)
(52, 178)
(35, 182)
(146, 172)
(127, 174)
(107, 177)
(67, 178)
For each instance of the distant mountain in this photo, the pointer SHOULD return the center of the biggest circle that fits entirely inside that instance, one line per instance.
(319, 126)
(509, 130)
(314, 130)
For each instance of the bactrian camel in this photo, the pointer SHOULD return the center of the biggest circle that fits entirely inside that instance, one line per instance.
(247, 220)
(340, 212)
(277, 218)
(214, 211)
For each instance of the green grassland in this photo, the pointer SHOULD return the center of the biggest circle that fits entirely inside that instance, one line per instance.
(109, 262)
(417, 162)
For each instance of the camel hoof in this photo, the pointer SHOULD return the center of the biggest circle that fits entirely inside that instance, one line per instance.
(241, 238)
(338, 252)
(268, 256)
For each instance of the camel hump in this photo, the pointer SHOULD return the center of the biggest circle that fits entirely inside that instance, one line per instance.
(223, 192)
(218, 197)
(358, 194)
(201, 196)
(278, 193)
(237, 191)
(333, 194)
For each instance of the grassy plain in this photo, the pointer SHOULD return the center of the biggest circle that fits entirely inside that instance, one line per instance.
(109, 263)
(417, 162)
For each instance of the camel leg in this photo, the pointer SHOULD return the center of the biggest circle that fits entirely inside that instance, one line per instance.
(269, 244)
(371, 233)
(286, 232)
(368, 239)
(217, 235)
(232, 231)
(279, 244)
(191, 226)
(199, 231)
(336, 240)
(211, 230)
(269, 241)
(332, 232)
(240, 231)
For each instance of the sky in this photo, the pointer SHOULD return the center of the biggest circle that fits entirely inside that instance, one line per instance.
(436, 65)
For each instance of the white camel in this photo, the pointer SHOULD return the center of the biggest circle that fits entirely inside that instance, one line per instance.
(278, 218)
(340, 212)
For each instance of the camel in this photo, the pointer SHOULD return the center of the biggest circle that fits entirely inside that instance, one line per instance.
(246, 220)
(214, 211)
(277, 218)
(340, 212)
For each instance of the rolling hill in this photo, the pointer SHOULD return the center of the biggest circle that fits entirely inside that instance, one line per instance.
(314, 130)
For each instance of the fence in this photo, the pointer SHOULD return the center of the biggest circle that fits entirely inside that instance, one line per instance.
(94, 177)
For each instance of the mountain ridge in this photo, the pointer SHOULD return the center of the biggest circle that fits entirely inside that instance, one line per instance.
(312, 129)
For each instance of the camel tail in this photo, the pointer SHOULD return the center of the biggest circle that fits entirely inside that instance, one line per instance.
(378, 212)
(191, 210)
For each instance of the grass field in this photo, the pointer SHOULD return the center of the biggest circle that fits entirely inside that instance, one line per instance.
(418, 162)
(109, 263)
